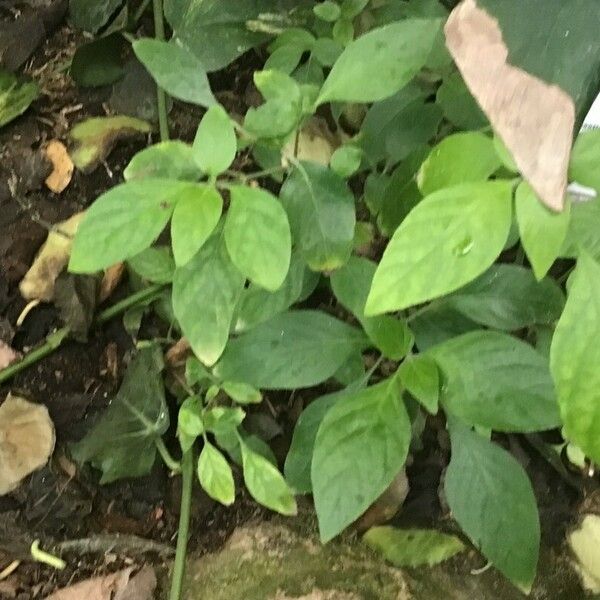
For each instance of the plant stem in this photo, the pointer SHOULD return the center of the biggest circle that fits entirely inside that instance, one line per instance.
(187, 466)
(141, 10)
(159, 34)
(54, 340)
(171, 463)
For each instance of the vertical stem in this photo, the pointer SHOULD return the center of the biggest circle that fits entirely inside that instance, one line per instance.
(187, 467)
(159, 34)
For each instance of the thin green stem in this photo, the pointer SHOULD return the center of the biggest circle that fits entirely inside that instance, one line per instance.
(141, 10)
(187, 466)
(159, 34)
(171, 463)
(146, 295)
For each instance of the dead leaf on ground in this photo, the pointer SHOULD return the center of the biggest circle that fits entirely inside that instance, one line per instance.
(26, 440)
(585, 543)
(111, 279)
(534, 119)
(315, 143)
(7, 355)
(62, 166)
(38, 283)
(178, 353)
(117, 586)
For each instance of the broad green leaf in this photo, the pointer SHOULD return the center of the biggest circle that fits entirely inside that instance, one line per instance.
(351, 286)
(328, 10)
(413, 547)
(215, 475)
(274, 119)
(346, 160)
(122, 222)
(122, 443)
(459, 158)
(496, 381)
(542, 231)
(258, 237)
(196, 372)
(15, 96)
(322, 216)
(574, 357)
(353, 8)
(292, 350)
(215, 143)
(242, 393)
(421, 377)
(266, 484)
(92, 16)
(326, 51)
(285, 58)
(585, 158)
(459, 106)
(299, 457)
(99, 62)
(275, 85)
(171, 159)
(447, 240)
(221, 419)
(399, 50)
(195, 217)
(361, 445)
(583, 233)
(491, 498)
(189, 418)
(437, 324)
(176, 70)
(205, 292)
(154, 264)
(509, 297)
(504, 154)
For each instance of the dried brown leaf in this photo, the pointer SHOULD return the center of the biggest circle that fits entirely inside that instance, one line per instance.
(111, 279)
(534, 119)
(7, 355)
(62, 166)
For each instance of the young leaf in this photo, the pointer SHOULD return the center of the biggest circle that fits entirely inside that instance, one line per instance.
(509, 297)
(351, 286)
(215, 475)
(266, 484)
(242, 393)
(328, 10)
(154, 264)
(258, 237)
(574, 357)
(222, 419)
(542, 231)
(195, 217)
(122, 443)
(15, 96)
(361, 445)
(491, 498)
(322, 216)
(583, 233)
(421, 377)
(123, 222)
(205, 293)
(176, 70)
(171, 159)
(447, 240)
(346, 160)
(459, 158)
(413, 547)
(585, 155)
(399, 50)
(293, 350)
(496, 381)
(215, 143)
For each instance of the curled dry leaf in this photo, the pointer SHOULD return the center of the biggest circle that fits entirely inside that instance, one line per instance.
(111, 279)
(38, 283)
(26, 440)
(7, 355)
(178, 353)
(534, 119)
(62, 166)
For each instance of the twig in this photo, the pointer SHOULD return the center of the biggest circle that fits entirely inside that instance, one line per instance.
(119, 543)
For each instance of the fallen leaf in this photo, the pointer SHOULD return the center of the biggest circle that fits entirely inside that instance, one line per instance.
(62, 166)
(111, 279)
(7, 355)
(26, 440)
(75, 298)
(117, 586)
(95, 138)
(585, 543)
(315, 143)
(38, 283)
(178, 353)
(534, 119)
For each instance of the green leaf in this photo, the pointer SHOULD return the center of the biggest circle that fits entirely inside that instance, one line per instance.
(447, 240)
(189, 422)
(195, 217)
(399, 50)
(346, 160)
(574, 358)
(215, 144)
(585, 157)
(258, 237)
(328, 10)
(242, 393)
(15, 96)
(122, 443)
(459, 106)
(491, 498)
(123, 222)
(92, 16)
(583, 233)
(437, 324)
(205, 292)
(459, 158)
(266, 484)
(351, 286)
(222, 419)
(215, 475)
(361, 445)
(413, 547)
(171, 160)
(176, 70)
(154, 264)
(352, 8)
(542, 231)
(421, 377)
(509, 297)
(322, 216)
(98, 62)
(293, 350)
(496, 381)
